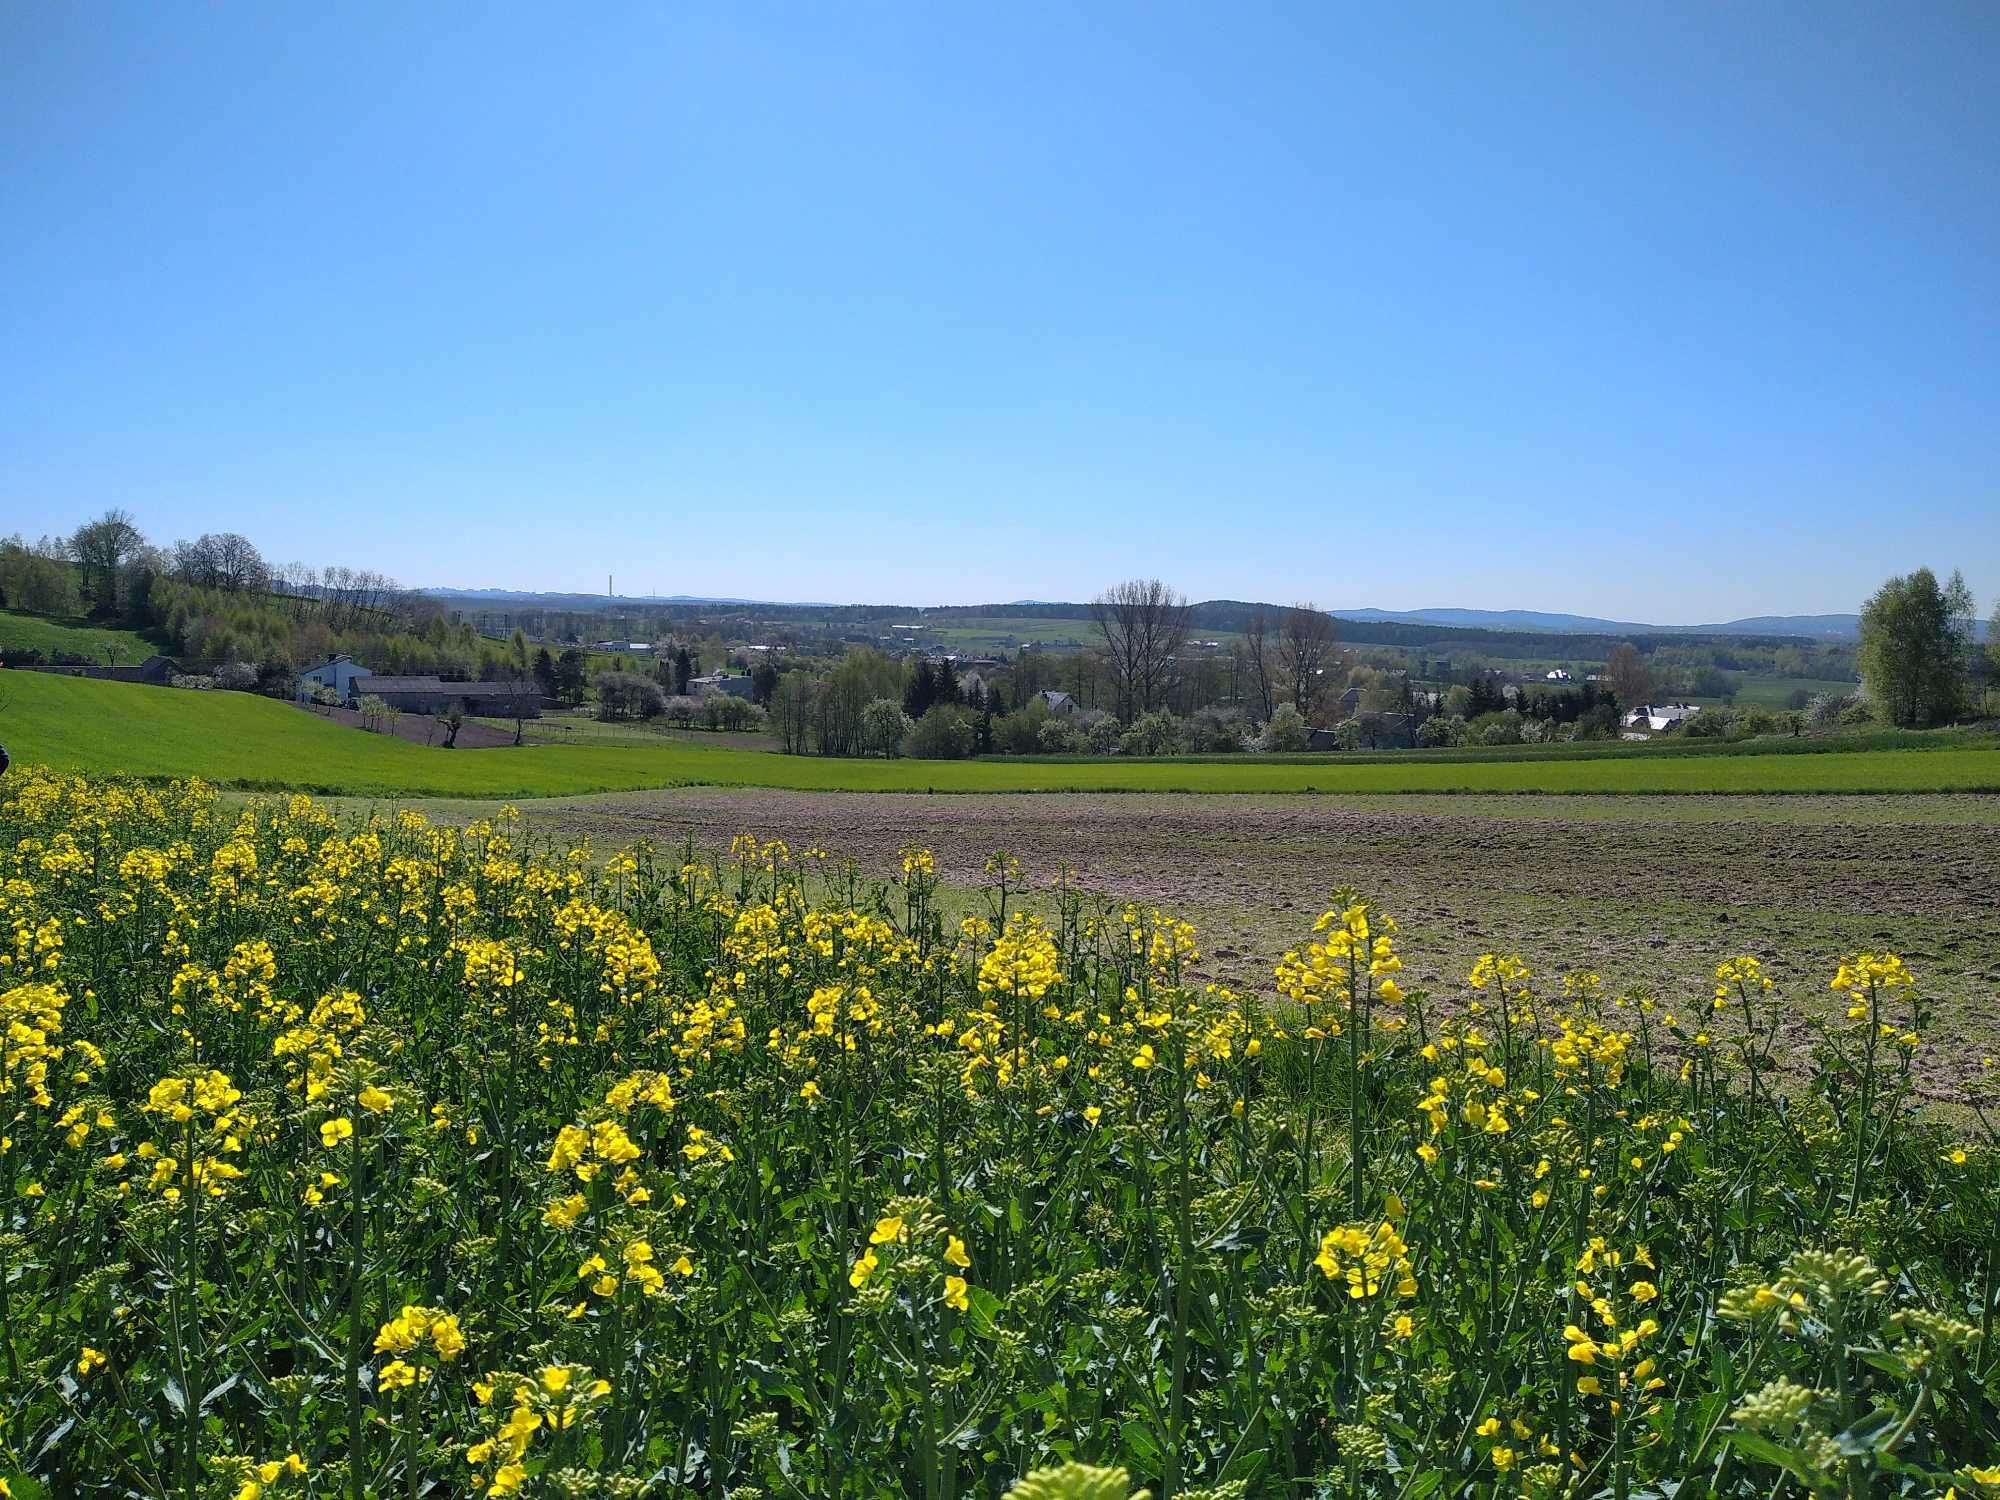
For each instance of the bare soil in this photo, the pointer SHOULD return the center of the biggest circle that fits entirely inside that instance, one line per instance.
(1649, 892)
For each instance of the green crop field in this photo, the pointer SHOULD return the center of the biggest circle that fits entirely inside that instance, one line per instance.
(19, 632)
(245, 741)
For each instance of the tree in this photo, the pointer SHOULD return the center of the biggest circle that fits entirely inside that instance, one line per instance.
(883, 727)
(792, 712)
(1627, 670)
(545, 672)
(683, 670)
(946, 732)
(627, 695)
(921, 692)
(37, 578)
(101, 549)
(763, 681)
(1257, 663)
(1305, 650)
(223, 560)
(1916, 639)
(571, 674)
(1144, 624)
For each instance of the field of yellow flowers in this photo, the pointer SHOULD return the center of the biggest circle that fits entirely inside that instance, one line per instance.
(360, 1157)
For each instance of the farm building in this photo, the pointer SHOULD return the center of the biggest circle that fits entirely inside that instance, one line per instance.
(1658, 717)
(1059, 703)
(340, 674)
(432, 695)
(159, 671)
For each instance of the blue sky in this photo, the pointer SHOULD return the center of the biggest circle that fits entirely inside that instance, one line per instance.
(1670, 312)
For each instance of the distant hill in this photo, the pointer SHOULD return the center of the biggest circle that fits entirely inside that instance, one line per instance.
(1828, 627)
(1209, 614)
(532, 599)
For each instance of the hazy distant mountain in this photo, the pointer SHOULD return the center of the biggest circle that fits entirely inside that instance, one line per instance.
(1835, 627)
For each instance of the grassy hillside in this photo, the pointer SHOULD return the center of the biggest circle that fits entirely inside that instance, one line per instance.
(19, 632)
(239, 740)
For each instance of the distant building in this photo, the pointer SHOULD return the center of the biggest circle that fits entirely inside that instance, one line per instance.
(1058, 703)
(734, 685)
(1559, 674)
(340, 674)
(433, 695)
(1658, 717)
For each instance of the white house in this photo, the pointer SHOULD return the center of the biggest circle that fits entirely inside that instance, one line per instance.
(1557, 674)
(340, 674)
(1657, 717)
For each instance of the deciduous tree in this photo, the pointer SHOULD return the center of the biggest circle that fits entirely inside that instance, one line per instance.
(1916, 641)
(1144, 624)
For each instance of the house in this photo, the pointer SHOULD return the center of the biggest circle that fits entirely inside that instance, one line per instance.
(433, 695)
(734, 685)
(1058, 703)
(1660, 717)
(1558, 674)
(1348, 704)
(340, 674)
(1322, 739)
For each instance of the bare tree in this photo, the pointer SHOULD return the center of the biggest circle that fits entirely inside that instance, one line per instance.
(1257, 653)
(1144, 624)
(101, 549)
(221, 560)
(1627, 670)
(1306, 648)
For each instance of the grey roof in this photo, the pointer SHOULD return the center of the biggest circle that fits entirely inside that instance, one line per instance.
(380, 685)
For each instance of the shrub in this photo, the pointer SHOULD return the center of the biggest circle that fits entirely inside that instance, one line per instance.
(1020, 733)
(237, 676)
(1156, 733)
(1214, 730)
(1441, 731)
(1286, 730)
(1058, 736)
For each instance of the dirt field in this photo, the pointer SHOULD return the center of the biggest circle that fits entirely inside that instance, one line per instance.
(1649, 892)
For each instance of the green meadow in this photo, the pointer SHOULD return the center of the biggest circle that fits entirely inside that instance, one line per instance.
(19, 632)
(240, 740)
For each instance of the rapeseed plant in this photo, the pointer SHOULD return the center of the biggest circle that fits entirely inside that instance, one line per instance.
(436, 1161)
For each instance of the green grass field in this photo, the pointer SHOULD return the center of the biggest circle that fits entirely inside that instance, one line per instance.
(19, 632)
(244, 741)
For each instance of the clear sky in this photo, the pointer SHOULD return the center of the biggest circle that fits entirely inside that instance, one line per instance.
(1672, 312)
